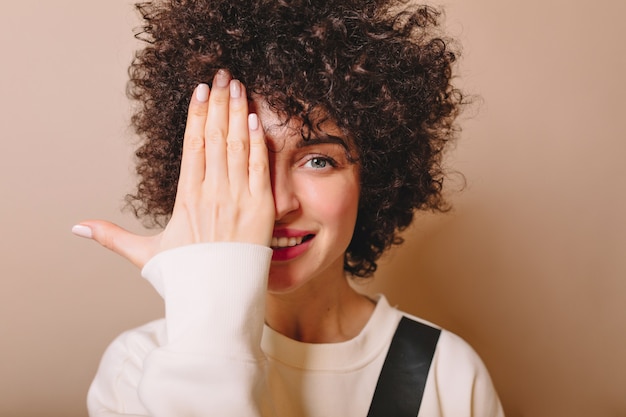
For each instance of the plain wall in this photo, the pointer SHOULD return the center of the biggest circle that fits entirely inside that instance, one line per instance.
(529, 267)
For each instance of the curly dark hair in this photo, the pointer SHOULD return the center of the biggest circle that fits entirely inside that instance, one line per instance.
(380, 69)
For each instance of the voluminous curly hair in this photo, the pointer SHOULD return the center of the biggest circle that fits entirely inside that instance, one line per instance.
(380, 69)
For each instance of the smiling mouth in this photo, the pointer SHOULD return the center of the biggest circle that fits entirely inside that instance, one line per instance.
(288, 242)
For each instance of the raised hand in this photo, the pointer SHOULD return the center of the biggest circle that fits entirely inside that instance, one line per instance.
(224, 191)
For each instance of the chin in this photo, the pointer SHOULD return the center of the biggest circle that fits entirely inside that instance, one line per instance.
(285, 278)
(282, 284)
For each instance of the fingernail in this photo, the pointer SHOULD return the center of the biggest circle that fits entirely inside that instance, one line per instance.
(202, 93)
(222, 78)
(253, 121)
(235, 89)
(82, 231)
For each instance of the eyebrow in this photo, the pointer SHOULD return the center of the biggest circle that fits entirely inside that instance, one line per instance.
(318, 140)
(313, 140)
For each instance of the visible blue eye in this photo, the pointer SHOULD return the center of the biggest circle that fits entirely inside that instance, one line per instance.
(318, 163)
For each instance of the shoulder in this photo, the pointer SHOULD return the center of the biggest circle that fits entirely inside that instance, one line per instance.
(451, 351)
(458, 382)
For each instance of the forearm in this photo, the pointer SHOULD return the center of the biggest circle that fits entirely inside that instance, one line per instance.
(208, 360)
(214, 296)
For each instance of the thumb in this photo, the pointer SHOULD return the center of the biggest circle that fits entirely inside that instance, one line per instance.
(137, 249)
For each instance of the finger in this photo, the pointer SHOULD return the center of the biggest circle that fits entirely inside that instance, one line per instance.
(137, 249)
(258, 162)
(216, 129)
(192, 167)
(237, 141)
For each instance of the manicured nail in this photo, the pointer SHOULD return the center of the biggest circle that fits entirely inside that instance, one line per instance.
(82, 231)
(235, 89)
(202, 93)
(253, 121)
(222, 78)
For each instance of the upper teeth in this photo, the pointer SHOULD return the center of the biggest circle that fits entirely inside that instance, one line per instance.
(283, 242)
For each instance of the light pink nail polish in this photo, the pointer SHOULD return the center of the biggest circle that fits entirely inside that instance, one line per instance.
(82, 231)
(222, 78)
(253, 121)
(202, 93)
(235, 89)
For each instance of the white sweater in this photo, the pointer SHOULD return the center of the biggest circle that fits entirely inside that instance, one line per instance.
(212, 355)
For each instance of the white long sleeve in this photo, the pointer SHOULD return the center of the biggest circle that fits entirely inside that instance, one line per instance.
(209, 360)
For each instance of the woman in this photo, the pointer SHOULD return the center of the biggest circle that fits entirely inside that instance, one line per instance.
(320, 134)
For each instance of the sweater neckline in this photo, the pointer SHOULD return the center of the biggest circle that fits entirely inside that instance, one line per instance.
(351, 354)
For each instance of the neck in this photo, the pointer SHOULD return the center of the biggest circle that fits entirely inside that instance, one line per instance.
(324, 310)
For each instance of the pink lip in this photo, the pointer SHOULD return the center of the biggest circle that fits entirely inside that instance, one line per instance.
(291, 252)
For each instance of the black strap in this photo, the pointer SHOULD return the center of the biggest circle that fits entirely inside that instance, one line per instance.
(401, 383)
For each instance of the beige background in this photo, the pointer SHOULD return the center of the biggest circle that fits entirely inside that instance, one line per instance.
(530, 267)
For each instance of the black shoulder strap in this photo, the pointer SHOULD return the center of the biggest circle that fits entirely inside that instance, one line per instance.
(401, 383)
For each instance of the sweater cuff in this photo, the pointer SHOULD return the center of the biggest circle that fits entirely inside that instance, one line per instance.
(214, 296)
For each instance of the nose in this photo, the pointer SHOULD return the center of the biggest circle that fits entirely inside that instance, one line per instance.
(285, 198)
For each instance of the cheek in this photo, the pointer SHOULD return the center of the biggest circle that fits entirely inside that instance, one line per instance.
(333, 200)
